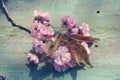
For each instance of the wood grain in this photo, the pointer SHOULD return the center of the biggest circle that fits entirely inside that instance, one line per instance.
(14, 43)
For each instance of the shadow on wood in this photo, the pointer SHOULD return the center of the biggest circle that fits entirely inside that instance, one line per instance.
(43, 72)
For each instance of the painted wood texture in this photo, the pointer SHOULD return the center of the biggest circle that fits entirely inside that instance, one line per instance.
(103, 16)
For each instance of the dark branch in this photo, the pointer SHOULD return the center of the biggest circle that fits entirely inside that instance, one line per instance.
(10, 19)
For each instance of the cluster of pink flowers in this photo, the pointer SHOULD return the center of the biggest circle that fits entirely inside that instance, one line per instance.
(39, 46)
(41, 32)
(62, 59)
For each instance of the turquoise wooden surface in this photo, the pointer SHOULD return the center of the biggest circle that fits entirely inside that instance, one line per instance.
(14, 44)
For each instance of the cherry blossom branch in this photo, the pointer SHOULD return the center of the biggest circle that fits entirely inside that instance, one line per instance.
(10, 19)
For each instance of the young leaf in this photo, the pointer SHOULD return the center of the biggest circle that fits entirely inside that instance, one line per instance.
(53, 47)
(79, 53)
(83, 38)
(74, 53)
(83, 54)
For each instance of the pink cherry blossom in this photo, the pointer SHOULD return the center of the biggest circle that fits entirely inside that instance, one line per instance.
(42, 17)
(60, 68)
(46, 31)
(85, 29)
(64, 67)
(52, 39)
(72, 63)
(86, 47)
(39, 46)
(40, 14)
(61, 55)
(33, 58)
(39, 31)
(62, 59)
(46, 23)
(35, 30)
(68, 22)
(72, 31)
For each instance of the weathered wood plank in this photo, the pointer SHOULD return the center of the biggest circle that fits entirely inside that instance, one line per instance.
(14, 44)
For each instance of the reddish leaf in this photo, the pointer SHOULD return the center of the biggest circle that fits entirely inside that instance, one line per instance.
(74, 53)
(79, 53)
(83, 38)
(83, 54)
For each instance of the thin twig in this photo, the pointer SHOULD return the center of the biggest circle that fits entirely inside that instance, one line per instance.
(10, 19)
